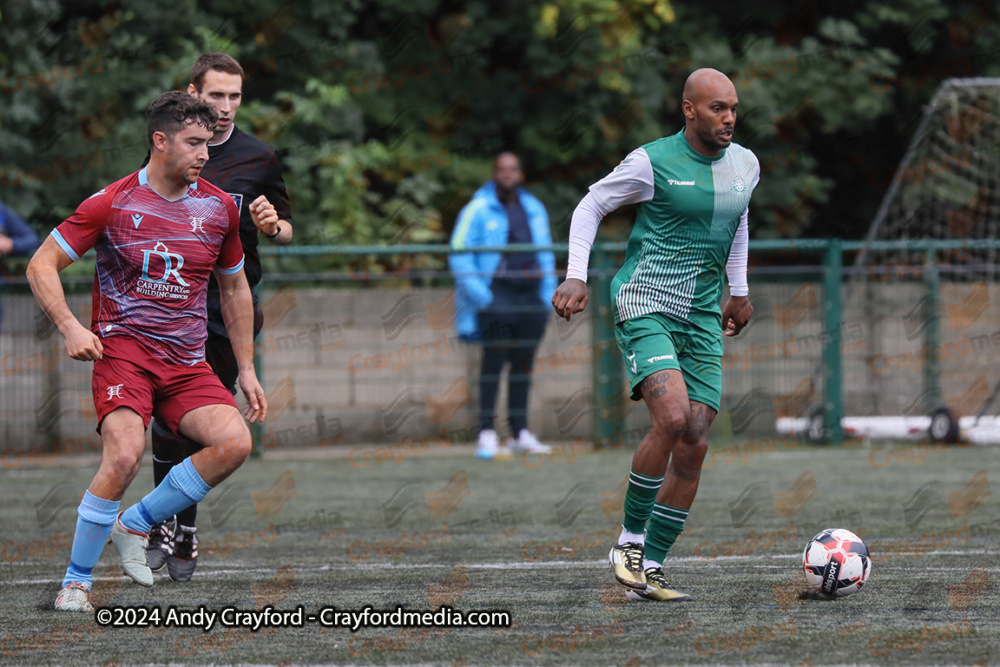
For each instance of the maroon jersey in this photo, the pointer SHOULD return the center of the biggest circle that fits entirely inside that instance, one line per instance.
(154, 258)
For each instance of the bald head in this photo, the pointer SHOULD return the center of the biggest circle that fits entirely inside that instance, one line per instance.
(706, 83)
(709, 106)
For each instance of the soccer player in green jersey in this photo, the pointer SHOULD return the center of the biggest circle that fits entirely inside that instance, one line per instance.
(692, 191)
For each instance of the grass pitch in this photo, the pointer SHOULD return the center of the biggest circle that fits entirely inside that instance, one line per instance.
(531, 537)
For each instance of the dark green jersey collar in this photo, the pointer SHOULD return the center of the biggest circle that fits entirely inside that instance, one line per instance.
(698, 156)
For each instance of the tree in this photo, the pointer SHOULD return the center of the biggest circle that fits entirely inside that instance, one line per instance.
(387, 114)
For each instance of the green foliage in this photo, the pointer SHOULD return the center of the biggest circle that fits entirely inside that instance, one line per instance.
(387, 114)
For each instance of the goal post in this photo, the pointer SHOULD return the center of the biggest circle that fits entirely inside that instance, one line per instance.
(925, 284)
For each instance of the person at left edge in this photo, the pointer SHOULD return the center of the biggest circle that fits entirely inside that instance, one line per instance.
(249, 170)
(16, 238)
(159, 233)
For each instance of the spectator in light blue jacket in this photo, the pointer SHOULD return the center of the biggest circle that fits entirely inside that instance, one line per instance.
(16, 238)
(501, 299)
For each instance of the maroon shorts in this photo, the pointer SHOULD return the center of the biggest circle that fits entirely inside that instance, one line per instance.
(128, 375)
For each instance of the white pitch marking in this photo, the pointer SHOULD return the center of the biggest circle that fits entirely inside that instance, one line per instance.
(534, 566)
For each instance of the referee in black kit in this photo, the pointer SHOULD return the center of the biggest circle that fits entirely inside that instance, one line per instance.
(250, 172)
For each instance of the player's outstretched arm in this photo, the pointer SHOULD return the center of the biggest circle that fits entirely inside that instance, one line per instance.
(43, 276)
(737, 311)
(571, 296)
(631, 182)
(237, 314)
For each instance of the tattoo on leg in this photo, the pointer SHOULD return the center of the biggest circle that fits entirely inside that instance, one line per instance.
(655, 385)
(657, 392)
(701, 418)
(680, 474)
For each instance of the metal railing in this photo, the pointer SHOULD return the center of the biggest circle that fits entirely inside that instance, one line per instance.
(822, 259)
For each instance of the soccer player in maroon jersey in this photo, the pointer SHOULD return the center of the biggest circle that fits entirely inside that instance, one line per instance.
(249, 170)
(159, 233)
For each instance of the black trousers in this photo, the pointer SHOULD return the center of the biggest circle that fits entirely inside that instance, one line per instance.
(511, 328)
(169, 448)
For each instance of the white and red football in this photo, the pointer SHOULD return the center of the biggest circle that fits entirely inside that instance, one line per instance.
(836, 562)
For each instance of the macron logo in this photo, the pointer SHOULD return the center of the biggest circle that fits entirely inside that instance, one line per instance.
(136, 219)
(673, 182)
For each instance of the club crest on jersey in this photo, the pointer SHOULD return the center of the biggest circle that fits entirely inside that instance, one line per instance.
(739, 185)
(115, 391)
(171, 265)
(238, 200)
(197, 225)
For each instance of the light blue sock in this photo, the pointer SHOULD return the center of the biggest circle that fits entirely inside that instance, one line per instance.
(95, 516)
(181, 488)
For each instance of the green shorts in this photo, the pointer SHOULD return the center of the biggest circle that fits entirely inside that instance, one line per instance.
(654, 342)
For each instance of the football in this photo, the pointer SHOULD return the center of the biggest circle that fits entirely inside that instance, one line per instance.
(836, 562)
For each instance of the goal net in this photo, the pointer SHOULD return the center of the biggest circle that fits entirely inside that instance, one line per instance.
(924, 285)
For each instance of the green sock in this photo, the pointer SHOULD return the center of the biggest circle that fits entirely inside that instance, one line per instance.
(639, 500)
(665, 524)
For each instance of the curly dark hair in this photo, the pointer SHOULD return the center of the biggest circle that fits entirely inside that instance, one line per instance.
(170, 112)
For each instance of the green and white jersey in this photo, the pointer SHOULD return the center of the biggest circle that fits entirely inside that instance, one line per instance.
(690, 207)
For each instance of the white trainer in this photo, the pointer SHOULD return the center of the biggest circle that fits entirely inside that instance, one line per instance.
(489, 443)
(74, 596)
(504, 453)
(527, 442)
(490, 447)
(132, 548)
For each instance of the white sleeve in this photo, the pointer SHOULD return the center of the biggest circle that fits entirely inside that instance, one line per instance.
(582, 232)
(736, 267)
(631, 182)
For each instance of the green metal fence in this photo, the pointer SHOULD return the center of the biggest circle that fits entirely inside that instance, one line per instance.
(800, 357)
(826, 255)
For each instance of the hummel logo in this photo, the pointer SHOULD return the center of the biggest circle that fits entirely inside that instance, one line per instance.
(660, 358)
(673, 182)
(635, 367)
(136, 219)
